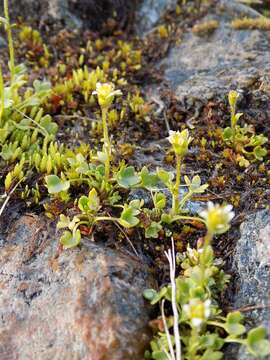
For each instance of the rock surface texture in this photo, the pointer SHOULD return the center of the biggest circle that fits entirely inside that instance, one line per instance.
(84, 304)
(71, 13)
(150, 12)
(252, 264)
(204, 66)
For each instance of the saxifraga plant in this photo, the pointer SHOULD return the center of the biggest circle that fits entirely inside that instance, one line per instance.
(197, 330)
(192, 332)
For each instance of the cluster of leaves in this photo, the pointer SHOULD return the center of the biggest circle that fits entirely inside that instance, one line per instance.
(25, 131)
(36, 52)
(27, 134)
(203, 328)
(152, 220)
(243, 140)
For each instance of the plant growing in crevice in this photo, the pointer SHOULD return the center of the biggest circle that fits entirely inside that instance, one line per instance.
(180, 142)
(197, 329)
(106, 94)
(89, 215)
(243, 140)
(25, 131)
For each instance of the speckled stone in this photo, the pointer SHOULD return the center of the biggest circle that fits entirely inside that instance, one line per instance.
(81, 304)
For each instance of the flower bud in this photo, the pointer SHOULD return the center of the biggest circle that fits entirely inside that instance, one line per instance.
(106, 93)
(180, 141)
(233, 97)
(217, 218)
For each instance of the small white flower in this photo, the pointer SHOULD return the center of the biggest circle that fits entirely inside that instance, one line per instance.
(217, 217)
(197, 311)
(106, 93)
(180, 141)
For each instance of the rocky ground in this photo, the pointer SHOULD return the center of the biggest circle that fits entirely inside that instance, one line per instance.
(88, 302)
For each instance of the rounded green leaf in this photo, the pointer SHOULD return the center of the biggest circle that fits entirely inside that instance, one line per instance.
(83, 203)
(233, 326)
(128, 217)
(227, 134)
(149, 181)
(256, 342)
(56, 185)
(153, 230)
(70, 240)
(127, 177)
(149, 294)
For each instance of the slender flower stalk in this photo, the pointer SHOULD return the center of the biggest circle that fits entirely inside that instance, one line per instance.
(175, 199)
(106, 94)
(217, 219)
(170, 356)
(171, 258)
(107, 144)
(180, 142)
(10, 42)
(233, 97)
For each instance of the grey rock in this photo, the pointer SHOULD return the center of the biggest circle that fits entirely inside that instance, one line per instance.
(71, 13)
(3, 43)
(150, 12)
(81, 304)
(207, 66)
(252, 265)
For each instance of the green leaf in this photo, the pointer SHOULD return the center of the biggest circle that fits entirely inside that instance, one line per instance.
(83, 203)
(20, 70)
(195, 185)
(42, 88)
(260, 152)
(159, 355)
(149, 294)
(232, 325)
(149, 181)
(167, 218)
(153, 230)
(165, 176)
(6, 152)
(212, 355)
(127, 177)
(55, 184)
(256, 342)
(94, 202)
(237, 117)
(70, 240)
(128, 217)
(227, 134)
(159, 201)
(63, 222)
(160, 295)
(48, 125)
(211, 341)
(257, 140)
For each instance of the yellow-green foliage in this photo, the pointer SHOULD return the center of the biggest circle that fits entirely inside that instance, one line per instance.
(260, 23)
(82, 81)
(205, 27)
(36, 50)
